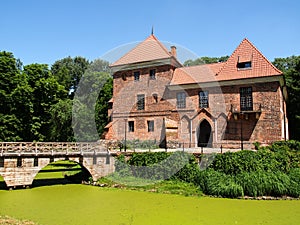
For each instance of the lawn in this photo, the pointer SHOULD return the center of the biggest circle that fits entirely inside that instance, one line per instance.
(81, 204)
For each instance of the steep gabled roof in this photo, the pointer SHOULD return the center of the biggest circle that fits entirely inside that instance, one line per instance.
(245, 52)
(148, 50)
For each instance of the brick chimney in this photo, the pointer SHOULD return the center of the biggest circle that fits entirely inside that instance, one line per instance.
(173, 51)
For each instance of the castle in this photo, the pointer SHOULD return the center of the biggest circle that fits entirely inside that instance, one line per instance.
(230, 104)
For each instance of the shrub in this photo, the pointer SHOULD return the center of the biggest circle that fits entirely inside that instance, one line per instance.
(189, 172)
(261, 183)
(233, 163)
(147, 165)
(294, 188)
(216, 183)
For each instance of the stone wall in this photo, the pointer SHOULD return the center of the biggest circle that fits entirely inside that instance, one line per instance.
(25, 174)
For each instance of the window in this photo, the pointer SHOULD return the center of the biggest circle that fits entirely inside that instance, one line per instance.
(152, 74)
(36, 161)
(2, 162)
(150, 124)
(244, 65)
(130, 126)
(19, 162)
(140, 102)
(136, 75)
(181, 100)
(155, 97)
(246, 100)
(203, 99)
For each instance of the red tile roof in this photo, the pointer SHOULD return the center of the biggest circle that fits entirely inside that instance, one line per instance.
(245, 52)
(148, 50)
(196, 74)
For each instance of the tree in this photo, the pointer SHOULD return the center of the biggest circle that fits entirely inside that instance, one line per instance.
(290, 67)
(46, 91)
(205, 60)
(91, 102)
(61, 121)
(101, 108)
(68, 72)
(10, 81)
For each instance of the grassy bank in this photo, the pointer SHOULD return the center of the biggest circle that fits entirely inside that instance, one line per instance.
(81, 204)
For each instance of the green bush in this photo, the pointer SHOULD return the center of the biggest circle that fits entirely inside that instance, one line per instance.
(216, 183)
(148, 165)
(294, 189)
(122, 168)
(189, 172)
(233, 163)
(261, 183)
(140, 144)
(291, 145)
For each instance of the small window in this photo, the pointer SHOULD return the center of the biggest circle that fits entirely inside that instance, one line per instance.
(136, 75)
(140, 102)
(19, 162)
(152, 75)
(150, 124)
(130, 126)
(246, 100)
(244, 65)
(94, 159)
(181, 100)
(2, 162)
(36, 161)
(203, 99)
(155, 97)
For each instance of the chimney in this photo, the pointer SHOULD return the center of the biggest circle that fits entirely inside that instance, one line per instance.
(173, 51)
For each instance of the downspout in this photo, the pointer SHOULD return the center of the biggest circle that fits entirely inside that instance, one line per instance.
(284, 110)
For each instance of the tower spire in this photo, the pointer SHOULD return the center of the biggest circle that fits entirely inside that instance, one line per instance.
(152, 30)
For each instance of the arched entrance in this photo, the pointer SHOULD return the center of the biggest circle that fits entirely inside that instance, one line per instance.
(204, 134)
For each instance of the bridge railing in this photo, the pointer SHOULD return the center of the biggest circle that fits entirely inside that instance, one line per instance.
(45, 147)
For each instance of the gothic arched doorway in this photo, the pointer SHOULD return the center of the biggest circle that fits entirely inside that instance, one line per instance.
(204, 134)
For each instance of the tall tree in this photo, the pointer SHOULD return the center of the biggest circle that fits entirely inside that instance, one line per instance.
(10, 80)
(290, 67)
(68, 71)
(46, 91)
(61, 121)
(91, 102)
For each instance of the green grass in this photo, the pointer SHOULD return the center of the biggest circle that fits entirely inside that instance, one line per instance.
(166, 186)
(58, 170)
(82, 204)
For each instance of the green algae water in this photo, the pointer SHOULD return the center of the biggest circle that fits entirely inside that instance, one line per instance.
(81, 204)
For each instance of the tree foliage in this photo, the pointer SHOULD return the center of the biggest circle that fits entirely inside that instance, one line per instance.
(290, 67)
(205, 60)
(68, 72)
(36, 103)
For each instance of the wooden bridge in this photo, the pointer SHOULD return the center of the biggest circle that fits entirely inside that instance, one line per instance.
(21, 161)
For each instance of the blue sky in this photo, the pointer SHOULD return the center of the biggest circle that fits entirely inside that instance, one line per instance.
(39, 31)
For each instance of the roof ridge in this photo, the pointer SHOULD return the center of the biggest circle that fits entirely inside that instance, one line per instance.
(161, 45)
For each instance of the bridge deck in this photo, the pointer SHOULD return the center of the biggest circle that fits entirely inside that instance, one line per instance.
(7, 148)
